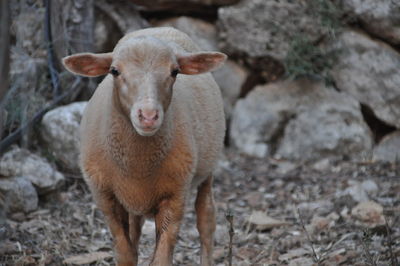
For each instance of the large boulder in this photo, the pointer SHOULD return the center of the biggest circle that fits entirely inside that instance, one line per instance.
(368, 70)
(260, 28)
(230, 77)
(182, 5)
(380, 18)
(300, 120)
(60, 133)
(388, 149)
(21, 162)
(20, 195)
(113, 19)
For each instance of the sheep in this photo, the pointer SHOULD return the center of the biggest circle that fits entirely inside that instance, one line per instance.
(152, 132)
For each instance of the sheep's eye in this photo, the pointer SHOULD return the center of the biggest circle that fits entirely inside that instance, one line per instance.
(174, 72)
(114, 72)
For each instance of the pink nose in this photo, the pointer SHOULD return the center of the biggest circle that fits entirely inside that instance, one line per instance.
(148, 117)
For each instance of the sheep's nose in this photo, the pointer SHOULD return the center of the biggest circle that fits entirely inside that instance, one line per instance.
(148, 117)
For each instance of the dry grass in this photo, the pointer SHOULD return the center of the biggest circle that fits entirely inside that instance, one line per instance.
(69, 223)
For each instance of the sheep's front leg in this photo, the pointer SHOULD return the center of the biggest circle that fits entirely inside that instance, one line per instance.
(135, 230)
(205, 211)
(168, 219)
(118, 222)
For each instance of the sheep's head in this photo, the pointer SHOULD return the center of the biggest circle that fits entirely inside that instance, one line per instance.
(144, 70)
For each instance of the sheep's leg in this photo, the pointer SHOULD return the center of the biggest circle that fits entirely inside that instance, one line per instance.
(168, 219)
(205, 211)
(118, 222)
(135, 230)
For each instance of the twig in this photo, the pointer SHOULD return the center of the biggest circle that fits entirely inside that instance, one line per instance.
(229, 217)
(17, 134)
(366, 238)
(317, 259)
(393, 258)
(50, 52)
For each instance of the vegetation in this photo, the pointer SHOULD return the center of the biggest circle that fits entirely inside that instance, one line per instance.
(306, 57)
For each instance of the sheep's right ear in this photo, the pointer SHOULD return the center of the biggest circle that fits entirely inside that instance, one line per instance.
(88, 64)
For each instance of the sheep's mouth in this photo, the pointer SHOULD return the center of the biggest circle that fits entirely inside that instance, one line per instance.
(146, 131)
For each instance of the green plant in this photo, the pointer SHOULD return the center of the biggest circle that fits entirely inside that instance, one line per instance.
(328, 13)
(307, 57)
(304, 58)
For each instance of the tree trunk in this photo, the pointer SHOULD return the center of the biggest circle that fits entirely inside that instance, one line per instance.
(4, 54)
(72, 27)
(72, 31)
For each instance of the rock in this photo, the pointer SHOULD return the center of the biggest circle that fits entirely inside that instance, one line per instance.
(319, 224)
(60, 132)
(28, 27)
(260, 28)
(230, 77)
(381, 18)
(21, 195)
(21, 162)
(221, 234)
(124, 15)
(299, 120)
(368, 70)
(264, 222)
(388, 148)
(320, 207)
(203, 33)
(360, 191)
(284, 167)
(322, 165)
(369, 212)
(182, 5)
(113, 19)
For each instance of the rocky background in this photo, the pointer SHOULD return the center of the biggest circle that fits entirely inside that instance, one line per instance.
(311, 92)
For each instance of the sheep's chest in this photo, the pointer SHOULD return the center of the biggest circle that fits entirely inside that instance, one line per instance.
(141, 194)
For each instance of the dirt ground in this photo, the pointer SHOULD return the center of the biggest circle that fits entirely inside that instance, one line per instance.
(316, 220)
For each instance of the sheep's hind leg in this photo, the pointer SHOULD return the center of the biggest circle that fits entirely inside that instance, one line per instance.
(118, 222)
(205, 211)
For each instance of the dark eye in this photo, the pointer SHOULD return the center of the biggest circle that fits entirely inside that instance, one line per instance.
(174, 72)
(114, 71)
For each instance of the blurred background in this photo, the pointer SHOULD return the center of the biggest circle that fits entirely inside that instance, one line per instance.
(311, 89)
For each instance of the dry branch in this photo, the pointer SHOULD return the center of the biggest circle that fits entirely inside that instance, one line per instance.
(17, 134)
(4, 53)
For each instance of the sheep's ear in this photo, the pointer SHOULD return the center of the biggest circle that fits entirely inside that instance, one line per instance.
(88, 64)
(197, 63)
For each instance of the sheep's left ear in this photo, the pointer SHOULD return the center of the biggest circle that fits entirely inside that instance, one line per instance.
(198, 63)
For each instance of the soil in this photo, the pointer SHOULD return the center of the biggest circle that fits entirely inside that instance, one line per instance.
(311, 205)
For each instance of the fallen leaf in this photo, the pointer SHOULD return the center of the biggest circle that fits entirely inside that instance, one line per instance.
(294, 253)
(87, 258)
(264, 222)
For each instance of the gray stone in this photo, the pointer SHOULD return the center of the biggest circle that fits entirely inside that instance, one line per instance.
(21, 162)
(60, 133)
(182, 5)
(368, 70)
(300, 120)
(359, 191)
(266, 28)
(388, 150)
(21, 195)
(381, 18)
(230, 77)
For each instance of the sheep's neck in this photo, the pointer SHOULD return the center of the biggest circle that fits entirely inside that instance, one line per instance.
(135, 153)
